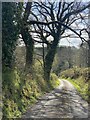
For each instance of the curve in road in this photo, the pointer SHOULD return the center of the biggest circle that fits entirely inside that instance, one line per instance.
(63, 102)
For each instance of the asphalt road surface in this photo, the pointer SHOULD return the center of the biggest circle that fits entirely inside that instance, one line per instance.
(63, 102)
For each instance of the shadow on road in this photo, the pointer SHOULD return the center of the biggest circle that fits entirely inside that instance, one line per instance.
(63, 102)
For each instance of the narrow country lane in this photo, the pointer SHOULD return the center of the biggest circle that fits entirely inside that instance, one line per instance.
(63, 102)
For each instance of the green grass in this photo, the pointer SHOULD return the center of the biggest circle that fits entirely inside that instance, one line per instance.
(80, 79)
(54, 81)
(81, 87)
(21, 91)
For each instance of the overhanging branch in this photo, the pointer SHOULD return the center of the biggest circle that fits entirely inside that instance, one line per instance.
(54, 22)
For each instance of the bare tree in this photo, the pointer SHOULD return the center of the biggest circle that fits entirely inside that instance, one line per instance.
(57, 18)
(86, 30)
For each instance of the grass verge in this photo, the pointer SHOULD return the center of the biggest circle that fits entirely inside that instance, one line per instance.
(21, 90)
(80, 78)
(81, 87)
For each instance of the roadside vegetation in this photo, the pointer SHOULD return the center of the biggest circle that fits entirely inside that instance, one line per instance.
(80, 78)
(20, 90)
(29, 71)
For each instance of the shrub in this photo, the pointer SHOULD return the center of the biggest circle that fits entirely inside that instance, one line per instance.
(76, 72)
(21, 90)
(54, 82)
(68, 73)
(53, 77)
(86, 74)
(79, 77)
(38, 67)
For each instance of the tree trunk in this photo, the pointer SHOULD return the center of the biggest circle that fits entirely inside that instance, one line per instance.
(29, 55)
(29, 44)
(89, 50)
(27, 38)
(49, 61)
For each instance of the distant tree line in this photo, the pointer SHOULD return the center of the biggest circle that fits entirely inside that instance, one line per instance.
(66, 57)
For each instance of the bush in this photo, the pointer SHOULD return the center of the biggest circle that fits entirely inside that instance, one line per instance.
(79, 77)
(86, 74)
(21, 90)
(76, 72)
(18, 92)
(38, 67)
(54, 82)
(72, 73)
(11, 93)
(67, 73)
(81, 87)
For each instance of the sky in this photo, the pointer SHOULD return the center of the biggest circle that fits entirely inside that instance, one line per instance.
(41, 0)
(64, 42)
(69, 41)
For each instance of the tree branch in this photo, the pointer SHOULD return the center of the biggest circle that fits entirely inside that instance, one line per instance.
(67, 27)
